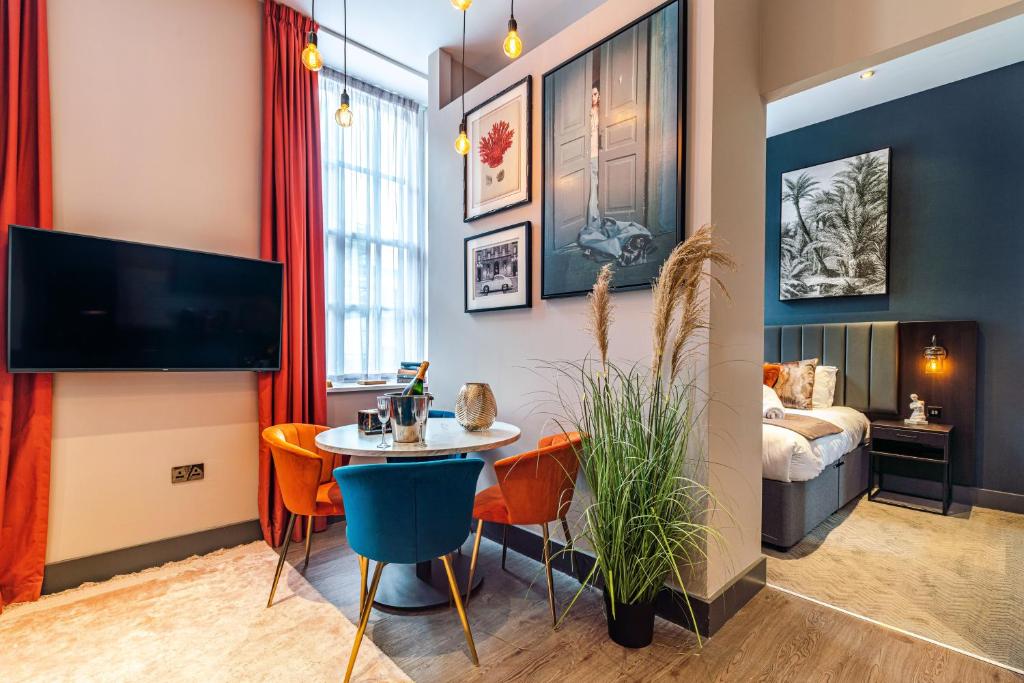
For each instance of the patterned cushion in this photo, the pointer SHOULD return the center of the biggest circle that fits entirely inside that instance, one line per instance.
(771, 374)
(796, 383)
(824, 386)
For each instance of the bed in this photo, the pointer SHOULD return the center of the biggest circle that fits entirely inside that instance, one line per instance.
(806, 481)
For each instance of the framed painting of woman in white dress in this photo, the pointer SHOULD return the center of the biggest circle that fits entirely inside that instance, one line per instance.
(613, 119)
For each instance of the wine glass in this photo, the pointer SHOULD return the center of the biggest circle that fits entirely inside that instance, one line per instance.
(383, 412)
(420, 409)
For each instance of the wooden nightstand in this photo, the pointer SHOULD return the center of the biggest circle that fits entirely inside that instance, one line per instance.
(928, 443)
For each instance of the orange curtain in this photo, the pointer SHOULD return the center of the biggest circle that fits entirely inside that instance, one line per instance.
(25, 199)
(291, 231)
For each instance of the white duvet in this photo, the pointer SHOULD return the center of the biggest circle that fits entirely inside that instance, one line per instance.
(791, 457)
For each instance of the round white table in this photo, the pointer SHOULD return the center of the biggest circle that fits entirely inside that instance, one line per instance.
(445, 437)
(423, 585)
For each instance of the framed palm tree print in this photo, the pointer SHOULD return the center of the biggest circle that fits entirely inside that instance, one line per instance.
(835, 229)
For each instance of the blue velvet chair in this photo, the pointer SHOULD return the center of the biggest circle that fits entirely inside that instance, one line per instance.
(407, 513)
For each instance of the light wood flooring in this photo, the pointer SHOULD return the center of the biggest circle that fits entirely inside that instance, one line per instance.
(775, 637)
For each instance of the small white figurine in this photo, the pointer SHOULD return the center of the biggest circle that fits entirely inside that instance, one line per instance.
(916, 412)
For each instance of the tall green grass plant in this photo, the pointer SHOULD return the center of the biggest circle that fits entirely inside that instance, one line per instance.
(642, 456)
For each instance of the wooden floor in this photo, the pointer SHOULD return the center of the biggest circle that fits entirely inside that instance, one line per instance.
(776, 637)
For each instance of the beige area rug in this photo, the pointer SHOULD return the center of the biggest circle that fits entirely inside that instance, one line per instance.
(201, 619)
(958, 579)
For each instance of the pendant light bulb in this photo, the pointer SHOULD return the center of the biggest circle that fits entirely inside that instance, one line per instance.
(462, 145)
(462, 142)
(462, 5)
(343, 116)
(311, 57)
(513, 44)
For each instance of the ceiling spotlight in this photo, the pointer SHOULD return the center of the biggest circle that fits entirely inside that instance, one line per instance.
(867, 74)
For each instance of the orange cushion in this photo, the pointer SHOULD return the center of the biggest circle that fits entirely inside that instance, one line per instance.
(771, 374)
(328, 500)
(796, 384)
(490, 506)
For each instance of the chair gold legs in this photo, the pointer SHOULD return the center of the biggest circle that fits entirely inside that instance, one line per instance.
(364, 617)
(504, 544)
(309, 540)
(280, 560)
(364, 565)
(472, 559)
(366, 604)
(547, 570)
(462, 611)
(570, 546)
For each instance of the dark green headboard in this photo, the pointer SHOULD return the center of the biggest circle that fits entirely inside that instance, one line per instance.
(867, 355)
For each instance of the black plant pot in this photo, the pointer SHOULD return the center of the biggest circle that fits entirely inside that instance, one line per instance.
(632, 625)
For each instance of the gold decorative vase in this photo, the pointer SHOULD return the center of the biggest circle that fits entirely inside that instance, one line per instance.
(475, 407)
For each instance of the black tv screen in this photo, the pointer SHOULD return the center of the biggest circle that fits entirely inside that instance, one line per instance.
(77, 303)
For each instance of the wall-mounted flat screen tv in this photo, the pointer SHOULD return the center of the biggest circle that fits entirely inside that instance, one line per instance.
(80, 303)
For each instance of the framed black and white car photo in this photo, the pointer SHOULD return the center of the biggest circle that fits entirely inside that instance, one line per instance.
(613, 161)
(497, 168)
(835, 229)
(497, 269)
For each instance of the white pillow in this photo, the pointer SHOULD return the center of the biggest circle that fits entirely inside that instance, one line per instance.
(824, 386)
(770, 401)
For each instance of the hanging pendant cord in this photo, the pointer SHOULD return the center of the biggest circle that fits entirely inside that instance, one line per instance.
(464, 65)
(345, 29)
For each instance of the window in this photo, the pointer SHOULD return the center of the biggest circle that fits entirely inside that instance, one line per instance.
(374, 230)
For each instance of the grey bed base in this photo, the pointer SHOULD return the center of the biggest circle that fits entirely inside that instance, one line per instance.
(867, 356)
(789, 510)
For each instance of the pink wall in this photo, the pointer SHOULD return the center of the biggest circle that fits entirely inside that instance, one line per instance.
(156, 138)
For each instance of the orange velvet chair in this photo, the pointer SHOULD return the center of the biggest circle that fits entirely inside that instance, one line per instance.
(535, 487)
(304, 473)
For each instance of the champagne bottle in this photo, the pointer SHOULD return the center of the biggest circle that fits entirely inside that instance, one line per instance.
(415, 387)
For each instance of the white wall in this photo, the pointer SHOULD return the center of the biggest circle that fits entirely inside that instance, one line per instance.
(156, 138)
(344, 406)
(725, 175)
(735, 341)
(809, 42)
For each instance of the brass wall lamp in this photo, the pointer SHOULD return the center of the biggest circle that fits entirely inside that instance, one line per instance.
(934, 358)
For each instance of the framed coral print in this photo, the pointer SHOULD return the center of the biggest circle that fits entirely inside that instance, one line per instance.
(497, 168)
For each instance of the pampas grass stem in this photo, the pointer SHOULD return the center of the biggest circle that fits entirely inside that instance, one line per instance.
(642, 455)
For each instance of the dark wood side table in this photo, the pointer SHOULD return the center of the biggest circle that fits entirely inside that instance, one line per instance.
(894, 439)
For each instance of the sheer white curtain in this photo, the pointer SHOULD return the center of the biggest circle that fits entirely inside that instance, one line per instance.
(374, 230)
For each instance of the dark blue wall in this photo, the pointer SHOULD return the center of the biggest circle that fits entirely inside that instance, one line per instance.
(956, 235)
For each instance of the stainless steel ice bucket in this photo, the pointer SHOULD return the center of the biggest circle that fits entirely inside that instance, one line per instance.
(403, 417)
